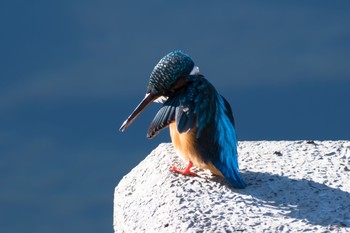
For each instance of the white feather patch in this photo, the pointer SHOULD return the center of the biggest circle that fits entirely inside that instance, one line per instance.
(195, 70)
(161, 99)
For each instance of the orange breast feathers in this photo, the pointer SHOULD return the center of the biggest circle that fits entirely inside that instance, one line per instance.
(185, 145)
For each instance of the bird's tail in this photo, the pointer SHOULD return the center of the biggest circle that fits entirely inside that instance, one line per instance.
(231, 174)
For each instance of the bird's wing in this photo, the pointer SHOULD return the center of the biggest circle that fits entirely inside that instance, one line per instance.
(164, 116)
(191, 108)
(196, 106)
(228, 111)
(225, 160)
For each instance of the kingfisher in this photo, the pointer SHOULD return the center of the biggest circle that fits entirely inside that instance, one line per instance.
(200, 120)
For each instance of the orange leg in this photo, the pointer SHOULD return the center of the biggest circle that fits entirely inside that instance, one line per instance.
(185, 171)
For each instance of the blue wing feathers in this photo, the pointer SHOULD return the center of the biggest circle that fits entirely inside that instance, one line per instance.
(164, 117)
(226, 140)
(228, 111)
(184, 119)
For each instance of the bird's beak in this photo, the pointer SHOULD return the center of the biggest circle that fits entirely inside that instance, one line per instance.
(149, 98)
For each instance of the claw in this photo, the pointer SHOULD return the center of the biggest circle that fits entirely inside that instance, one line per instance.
(186, 171)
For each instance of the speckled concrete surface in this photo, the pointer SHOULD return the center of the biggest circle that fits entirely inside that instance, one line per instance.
(294, 186)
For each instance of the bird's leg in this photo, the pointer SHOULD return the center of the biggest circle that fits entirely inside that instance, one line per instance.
(185, 171)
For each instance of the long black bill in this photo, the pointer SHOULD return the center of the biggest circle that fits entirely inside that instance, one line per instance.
(142, 106)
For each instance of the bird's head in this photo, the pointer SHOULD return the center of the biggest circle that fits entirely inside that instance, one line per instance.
(167, 77)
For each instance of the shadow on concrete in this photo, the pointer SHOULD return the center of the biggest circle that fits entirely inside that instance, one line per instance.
(316, 203)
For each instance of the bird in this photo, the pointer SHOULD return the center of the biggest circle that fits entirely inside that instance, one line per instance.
(201, 123)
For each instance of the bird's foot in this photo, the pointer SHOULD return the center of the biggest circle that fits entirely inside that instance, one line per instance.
(186, 171)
